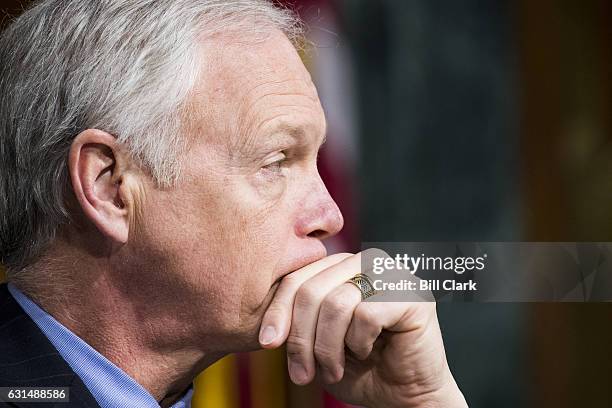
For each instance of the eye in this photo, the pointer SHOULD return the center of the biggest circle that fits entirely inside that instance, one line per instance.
(274, 164)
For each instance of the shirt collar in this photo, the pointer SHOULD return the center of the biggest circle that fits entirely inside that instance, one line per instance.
(109, 385)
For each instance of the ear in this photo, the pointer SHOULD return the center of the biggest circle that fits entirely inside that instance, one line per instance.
(97, 167)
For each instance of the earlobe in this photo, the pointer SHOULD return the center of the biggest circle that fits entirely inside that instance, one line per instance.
(97, 167)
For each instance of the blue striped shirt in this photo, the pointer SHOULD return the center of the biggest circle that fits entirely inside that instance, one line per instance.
(110, 386)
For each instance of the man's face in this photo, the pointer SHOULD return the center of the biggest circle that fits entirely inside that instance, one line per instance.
(250, 206)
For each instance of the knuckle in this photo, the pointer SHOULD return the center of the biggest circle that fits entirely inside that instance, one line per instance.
(334, 306)
(324, 354)
(297, 344)
(306, 296)
(365, 314)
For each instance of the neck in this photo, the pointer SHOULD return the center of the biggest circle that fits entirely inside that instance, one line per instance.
(150, 348)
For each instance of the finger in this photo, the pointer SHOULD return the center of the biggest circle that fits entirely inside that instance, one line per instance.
(300, 342)
(277, 318)
(370, 318)
(334, 320)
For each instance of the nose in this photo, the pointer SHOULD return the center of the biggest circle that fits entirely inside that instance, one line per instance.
(320, 216)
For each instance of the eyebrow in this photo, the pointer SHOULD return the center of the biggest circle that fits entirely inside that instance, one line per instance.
(297, 132)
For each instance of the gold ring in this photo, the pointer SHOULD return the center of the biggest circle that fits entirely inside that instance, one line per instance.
(364, 284)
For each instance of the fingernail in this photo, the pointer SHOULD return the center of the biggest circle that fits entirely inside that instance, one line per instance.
(267, 336)
(298, 373)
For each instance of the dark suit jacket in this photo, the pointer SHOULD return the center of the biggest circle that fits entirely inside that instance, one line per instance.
(28, 359)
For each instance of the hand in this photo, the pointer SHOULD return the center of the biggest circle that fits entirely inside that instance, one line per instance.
(376, 354)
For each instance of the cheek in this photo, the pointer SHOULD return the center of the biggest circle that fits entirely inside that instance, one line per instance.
(224, 241)
(247, 236)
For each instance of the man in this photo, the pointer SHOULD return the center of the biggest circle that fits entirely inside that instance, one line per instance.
(161, 208)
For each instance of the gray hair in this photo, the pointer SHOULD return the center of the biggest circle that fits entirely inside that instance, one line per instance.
(122, 66)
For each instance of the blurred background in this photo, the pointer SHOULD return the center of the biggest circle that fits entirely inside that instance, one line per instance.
(463, 120)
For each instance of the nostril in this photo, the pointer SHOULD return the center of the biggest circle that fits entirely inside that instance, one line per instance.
(317, 234)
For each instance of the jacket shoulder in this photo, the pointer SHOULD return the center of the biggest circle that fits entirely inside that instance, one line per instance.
(29, 359)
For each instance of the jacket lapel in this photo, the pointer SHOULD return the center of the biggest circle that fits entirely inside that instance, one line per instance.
(28, 359)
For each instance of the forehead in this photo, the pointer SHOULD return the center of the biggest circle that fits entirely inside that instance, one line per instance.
(246, 86)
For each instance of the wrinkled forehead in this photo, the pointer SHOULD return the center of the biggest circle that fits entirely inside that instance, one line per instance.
(245, 86)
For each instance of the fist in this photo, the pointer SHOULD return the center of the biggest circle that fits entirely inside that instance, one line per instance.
(376, 354)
